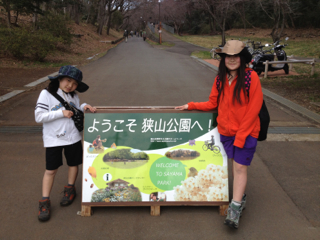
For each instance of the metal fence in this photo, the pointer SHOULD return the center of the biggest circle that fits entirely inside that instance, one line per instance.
(168, 28)
(151, 26)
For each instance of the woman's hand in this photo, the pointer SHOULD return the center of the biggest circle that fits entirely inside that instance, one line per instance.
(183, 107)
(67, 113)
(91, 109)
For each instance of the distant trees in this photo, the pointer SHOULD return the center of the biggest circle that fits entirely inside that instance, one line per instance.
(175, 12)
(124, 154)
(191, 16)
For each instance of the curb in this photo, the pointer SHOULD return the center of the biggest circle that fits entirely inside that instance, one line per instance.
(281, 100)
(30, 85)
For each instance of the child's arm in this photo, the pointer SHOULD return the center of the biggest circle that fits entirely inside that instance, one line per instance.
(203, 106)
(183, 107)
(91, 109)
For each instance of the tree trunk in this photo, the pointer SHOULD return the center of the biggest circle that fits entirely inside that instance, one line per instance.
(76, 12)
(223, 34)
(87, 21)
(34, 20)
(8, 8)
(210, 24)
(35, 17)
(109, 23)
(101, 15)
(16, 20)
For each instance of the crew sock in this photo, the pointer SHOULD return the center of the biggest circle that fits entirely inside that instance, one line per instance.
(238, 204)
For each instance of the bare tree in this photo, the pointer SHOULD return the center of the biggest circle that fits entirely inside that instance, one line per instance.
(241, 11)
(278, 11)
(175, 12)
(7, 7)
(219, 10)
(112, 6)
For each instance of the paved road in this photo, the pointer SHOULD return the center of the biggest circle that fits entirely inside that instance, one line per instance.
(283, 188)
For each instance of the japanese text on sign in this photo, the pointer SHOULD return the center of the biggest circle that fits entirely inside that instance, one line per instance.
(148, 125)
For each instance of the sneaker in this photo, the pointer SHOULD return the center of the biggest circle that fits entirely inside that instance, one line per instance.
(44, 210)
(233, 216)
(69, 195)
(243, 202)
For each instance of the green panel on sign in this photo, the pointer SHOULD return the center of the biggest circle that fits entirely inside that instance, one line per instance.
(166, 173)
(147, 131)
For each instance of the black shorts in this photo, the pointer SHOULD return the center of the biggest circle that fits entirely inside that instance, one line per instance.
(73, 154)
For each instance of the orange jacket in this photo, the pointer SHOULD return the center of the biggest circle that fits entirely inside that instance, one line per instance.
(235, 119)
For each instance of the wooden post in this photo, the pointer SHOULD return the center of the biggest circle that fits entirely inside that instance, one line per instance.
(223, 210)
(155, 211)
(266, 69)
(85, 211)
(290, 64)
(312, 68)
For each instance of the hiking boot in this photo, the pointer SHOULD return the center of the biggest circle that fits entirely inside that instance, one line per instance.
(243, 202)
(233, 216)
(69, 194)
(44, 210)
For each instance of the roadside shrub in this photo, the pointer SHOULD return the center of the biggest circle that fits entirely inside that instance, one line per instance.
(205, 29)
(22, 42)
(57, 26)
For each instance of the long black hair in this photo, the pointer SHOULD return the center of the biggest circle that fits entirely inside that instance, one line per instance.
(54, 86)
(240, 84)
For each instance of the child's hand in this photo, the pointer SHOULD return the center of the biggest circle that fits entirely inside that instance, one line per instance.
(92, 109)
(183, 107)
(67, 113)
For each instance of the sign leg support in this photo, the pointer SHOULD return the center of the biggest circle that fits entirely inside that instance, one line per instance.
(86, 211)
(223, 210)
(155, 211)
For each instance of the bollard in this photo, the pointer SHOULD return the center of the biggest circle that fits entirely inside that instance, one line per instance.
(312, 68)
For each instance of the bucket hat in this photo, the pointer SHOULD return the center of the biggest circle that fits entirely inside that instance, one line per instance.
(74, 73)
(235, 47)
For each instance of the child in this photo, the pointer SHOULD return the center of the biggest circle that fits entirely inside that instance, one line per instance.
(238, 120)
(59, 132)
(91, 148)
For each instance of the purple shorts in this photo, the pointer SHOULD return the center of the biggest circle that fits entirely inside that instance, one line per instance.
(243, 155)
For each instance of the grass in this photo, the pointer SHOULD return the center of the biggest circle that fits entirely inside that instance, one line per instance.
(202, 54)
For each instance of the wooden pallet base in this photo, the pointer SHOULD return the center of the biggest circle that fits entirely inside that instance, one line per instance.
(86, 211)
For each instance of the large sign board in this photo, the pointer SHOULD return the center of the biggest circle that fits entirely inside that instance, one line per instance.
(153, 156)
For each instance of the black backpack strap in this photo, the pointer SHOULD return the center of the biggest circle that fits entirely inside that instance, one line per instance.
(60, 99)
(248, 81)
(218, 83)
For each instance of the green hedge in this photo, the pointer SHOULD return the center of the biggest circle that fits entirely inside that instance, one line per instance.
(22, 43)
(56, 25)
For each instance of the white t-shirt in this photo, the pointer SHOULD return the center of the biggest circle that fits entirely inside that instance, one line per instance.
(57, 129)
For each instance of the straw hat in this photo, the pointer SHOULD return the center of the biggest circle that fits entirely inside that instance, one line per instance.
(235, 47)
